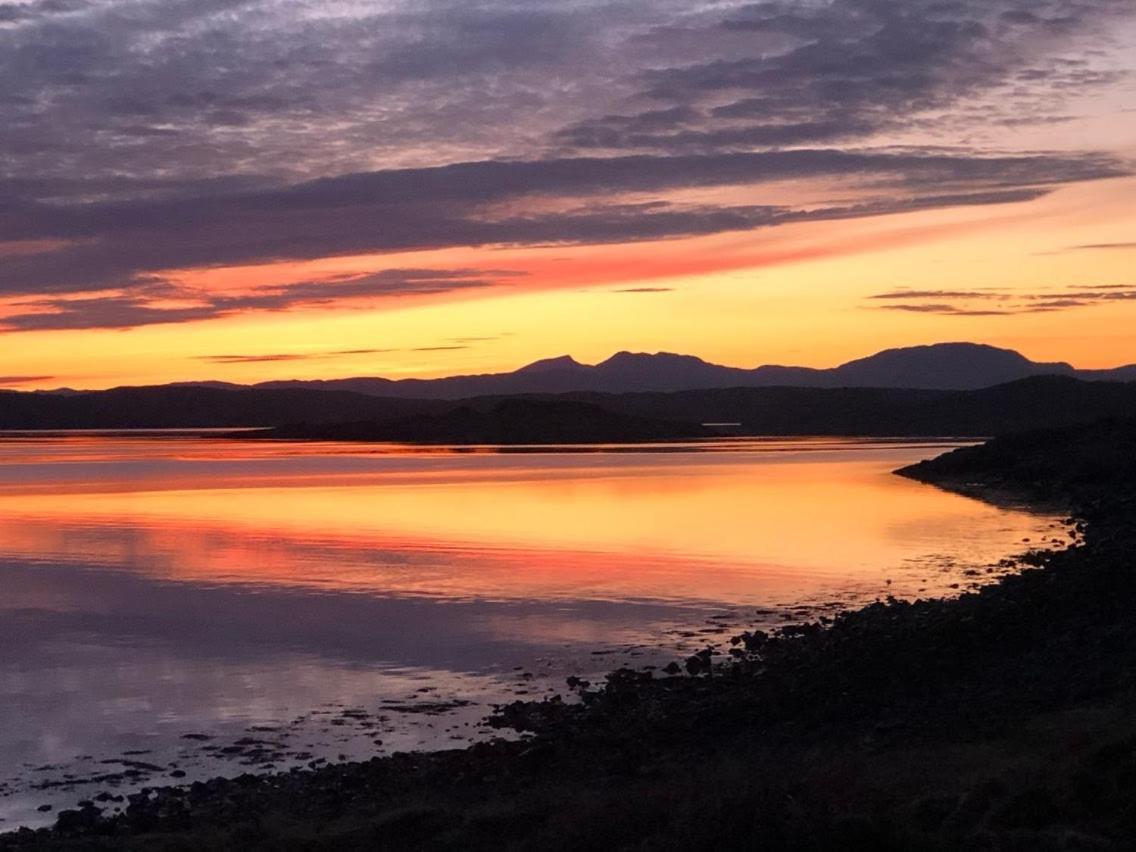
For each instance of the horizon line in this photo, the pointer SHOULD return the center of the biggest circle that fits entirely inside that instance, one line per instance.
(566, 357)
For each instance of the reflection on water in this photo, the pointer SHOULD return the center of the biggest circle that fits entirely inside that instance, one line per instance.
(156, 588)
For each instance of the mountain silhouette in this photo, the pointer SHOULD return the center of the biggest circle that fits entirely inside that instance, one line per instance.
(942, 366)
(943, 389)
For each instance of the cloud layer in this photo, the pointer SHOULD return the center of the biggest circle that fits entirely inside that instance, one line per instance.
(143, 136)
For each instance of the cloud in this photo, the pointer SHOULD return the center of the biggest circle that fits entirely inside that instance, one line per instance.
(155, 91)
(290, 356)
(170, 90)
(946, 310)
(644, 290)
(1104, 247)
(1089, 247)
(8, 381)
(143, 136)
(119, 243)
(151, 306)
(1006, 301)
(255, 359)
(938, 294)
(849, 69)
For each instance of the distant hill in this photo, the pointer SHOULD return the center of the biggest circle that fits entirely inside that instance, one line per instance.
(1037, 402)
(172, 407)
(943, 366)
(509, 421)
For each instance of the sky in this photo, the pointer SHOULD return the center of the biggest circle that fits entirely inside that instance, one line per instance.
(261, 189)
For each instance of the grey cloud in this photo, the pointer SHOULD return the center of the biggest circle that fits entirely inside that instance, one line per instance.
(105, 312)
(603, 135)
(17, 12)
(202, 87)
(145, 307)
(230, 87)
(156, 134)
(114, 243)
(850, 68)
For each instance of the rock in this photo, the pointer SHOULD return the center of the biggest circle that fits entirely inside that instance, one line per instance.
(696, 664)
(83, 819)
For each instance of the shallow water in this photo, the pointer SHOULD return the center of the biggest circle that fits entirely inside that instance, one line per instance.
(187, 604)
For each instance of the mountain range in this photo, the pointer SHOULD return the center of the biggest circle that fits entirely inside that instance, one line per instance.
(943, 366)
(946, 389)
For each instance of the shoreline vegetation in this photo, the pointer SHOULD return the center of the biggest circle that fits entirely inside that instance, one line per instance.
(999, 720)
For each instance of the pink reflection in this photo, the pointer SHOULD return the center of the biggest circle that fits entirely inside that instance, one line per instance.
(761, 523)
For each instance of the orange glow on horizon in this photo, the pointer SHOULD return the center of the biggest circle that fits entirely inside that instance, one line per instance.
(796, 294)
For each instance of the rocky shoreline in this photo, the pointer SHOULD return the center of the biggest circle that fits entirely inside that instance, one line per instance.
(1002, 719)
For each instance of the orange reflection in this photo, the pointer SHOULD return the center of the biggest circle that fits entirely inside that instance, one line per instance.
(758, 525)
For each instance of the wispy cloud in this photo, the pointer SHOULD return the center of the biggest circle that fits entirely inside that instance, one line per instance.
(9, 381)
(938, 294)
(1089, 247)
(162, 302)
(291, 356)
(1002, 301)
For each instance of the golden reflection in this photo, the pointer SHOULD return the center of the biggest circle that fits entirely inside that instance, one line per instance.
(757, 525)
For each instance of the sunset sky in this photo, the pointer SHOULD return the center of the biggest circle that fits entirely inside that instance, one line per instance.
(263, 189)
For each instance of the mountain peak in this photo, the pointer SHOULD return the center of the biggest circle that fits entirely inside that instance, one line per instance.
(944, 366)
(629, 359)
(548, 365)
(943, 351)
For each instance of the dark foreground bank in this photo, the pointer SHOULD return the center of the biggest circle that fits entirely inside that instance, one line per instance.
(1003, 720)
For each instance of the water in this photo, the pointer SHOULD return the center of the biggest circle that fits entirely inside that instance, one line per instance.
(177, 607)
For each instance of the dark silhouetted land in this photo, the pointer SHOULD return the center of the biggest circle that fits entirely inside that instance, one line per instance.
(509, 421)
(941, 366)
(1039, 402)
(1002, 720)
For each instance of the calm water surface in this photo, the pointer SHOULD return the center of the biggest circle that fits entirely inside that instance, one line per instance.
(195, 605)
